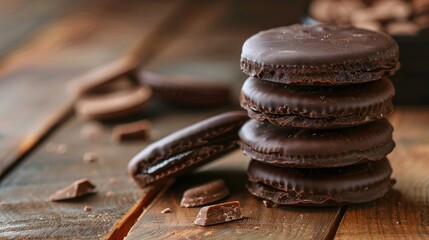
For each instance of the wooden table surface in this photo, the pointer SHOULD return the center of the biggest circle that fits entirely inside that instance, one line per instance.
(44, 44)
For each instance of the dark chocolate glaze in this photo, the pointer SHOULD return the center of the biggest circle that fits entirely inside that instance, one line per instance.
(317, 45)
(187, 148)
(316, 148)
(336, 106)
(353, 184)
(319, 55)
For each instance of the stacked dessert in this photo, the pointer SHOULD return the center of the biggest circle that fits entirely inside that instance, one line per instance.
(318, 97)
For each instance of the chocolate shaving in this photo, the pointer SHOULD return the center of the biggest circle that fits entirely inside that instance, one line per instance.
(219, 213)
(204, 194)
(167, 210)
(76, 189)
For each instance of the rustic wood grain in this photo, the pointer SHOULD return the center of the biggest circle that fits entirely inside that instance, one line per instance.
(404, 212)
(258, 222)
(26, 212)
(20, 19)
(33, 78)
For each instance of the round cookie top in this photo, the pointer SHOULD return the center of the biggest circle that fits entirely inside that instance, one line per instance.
(319, 55)
(317, 45)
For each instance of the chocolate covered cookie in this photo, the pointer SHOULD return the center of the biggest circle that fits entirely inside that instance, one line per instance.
(320, 187)
(319, 55)
(317, 106)
(308, 148)
(187, 148)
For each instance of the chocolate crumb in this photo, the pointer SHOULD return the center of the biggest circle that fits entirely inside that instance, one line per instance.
(269, 204)
(89, 157)
(76, 189)
(87, 208)
(256, 228)
(167, 210)
(131, 131)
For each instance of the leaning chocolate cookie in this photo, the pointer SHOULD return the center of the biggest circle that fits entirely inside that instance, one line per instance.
(320, 187)
(316, 148)
(317, 106)
(319, 55)
(187, 148)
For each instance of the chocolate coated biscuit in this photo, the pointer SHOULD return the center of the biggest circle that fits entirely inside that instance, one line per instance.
(187, 148)
(187, 90)
(317, 106)
(320, 187)
(319, 55)
(113, 105)
(308, 148)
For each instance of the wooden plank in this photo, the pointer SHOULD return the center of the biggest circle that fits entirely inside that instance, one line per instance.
(26, 212)
(20, 19)
(33, 78)
(404, 212)
(258, 222)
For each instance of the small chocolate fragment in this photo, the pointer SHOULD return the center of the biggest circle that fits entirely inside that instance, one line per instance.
(203, 194)
(130, 131)
(219, 213)
(76, 189)
(167, 210)
(269, 204)
(87, 208)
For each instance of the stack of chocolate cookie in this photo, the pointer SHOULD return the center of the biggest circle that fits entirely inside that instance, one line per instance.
(318, 97)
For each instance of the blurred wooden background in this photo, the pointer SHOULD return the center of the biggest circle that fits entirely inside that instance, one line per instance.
(44, 44)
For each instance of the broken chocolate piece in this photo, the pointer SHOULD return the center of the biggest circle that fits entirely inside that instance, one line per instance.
(203, 194)
(76, 189)
(87, 208)
(130, 131)
(219, 213)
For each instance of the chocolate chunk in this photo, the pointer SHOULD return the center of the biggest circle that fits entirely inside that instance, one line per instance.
(167, 210)
(203, 194)
(76, 189)
(219, 213)
(131, 131)
(187, 148)
(87, 208)
(269, 204)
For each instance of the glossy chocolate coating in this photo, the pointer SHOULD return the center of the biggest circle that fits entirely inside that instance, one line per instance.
(316, 106)
(318, 55)
(334, 186)
(187, 148)
(318, 148)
